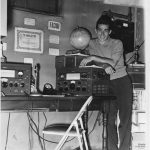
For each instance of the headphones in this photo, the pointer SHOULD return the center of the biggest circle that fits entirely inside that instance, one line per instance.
(48, 89)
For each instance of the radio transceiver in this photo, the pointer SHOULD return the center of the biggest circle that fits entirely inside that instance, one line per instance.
(75, 80)
(15, 78)
(83, 81)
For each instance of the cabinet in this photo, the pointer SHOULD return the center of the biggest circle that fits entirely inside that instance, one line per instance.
(137, 74)
(139, 120)
(52, 7)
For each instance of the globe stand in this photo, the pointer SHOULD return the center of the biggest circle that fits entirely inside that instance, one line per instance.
(78, 51)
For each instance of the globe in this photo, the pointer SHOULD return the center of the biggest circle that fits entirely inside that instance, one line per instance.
(80, 38)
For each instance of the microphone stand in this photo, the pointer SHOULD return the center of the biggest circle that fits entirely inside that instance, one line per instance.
(136, 55)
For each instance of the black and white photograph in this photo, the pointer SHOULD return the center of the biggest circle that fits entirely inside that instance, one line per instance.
(74, 75)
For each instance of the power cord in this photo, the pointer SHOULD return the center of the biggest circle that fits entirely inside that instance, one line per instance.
(35, 128)
(31, 120)
(44, 127)
(7, 131)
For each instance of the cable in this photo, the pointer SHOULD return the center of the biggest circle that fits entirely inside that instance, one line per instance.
(44, 127)
(31, 120)
(45, 119)
(7, 131)
(30, 143)
(39, 133)
(90, 116)
(36, 131)
(94, 123)
(48, 140)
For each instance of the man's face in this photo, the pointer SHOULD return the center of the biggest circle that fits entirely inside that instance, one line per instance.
(103, 32)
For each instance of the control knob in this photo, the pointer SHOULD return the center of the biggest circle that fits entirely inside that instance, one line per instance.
(4, 84)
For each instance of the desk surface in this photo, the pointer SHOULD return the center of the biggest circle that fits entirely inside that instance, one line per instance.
(50, 103)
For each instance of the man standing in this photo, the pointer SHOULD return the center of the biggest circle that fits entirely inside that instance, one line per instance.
(109, 51)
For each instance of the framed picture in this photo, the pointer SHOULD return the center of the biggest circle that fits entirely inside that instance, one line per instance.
(28, 40)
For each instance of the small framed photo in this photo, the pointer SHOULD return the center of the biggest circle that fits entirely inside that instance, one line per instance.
(28, 40)
(52, 25)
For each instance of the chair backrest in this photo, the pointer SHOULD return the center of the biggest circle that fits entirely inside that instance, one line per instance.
(83, 108)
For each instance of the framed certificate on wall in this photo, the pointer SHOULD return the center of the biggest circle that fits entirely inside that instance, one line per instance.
(28, 40)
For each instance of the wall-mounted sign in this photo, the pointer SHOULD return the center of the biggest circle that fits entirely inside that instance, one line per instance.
(54, 51)
(28, 40)
(54, 39)
(29, 21)
(52, 25)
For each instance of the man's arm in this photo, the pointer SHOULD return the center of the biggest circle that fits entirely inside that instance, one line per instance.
(117, 53)
(99, 61)
(109, 63)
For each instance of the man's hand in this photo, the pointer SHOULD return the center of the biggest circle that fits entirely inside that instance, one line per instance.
(110, 70)
(86, 60)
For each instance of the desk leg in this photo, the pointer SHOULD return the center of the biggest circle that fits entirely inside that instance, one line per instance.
(104, 134)
(85, 121)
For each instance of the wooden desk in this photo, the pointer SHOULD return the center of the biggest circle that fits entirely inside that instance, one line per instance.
(58, 103)
(50, 103)
(37, 103)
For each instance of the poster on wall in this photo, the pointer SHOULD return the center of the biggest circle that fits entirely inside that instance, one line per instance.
(28, 40)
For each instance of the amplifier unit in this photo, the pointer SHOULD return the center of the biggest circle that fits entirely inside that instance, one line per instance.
(82, 81)
(15, 78)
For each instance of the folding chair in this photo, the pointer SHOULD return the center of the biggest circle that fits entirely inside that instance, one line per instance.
(75, 129)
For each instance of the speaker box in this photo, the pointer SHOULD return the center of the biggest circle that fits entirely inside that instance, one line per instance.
(124, 30)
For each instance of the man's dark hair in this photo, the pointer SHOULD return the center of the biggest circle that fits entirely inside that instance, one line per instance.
(106, 20)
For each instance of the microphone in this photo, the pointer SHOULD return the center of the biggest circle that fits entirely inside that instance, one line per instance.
(36, 72)
(36, 69)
